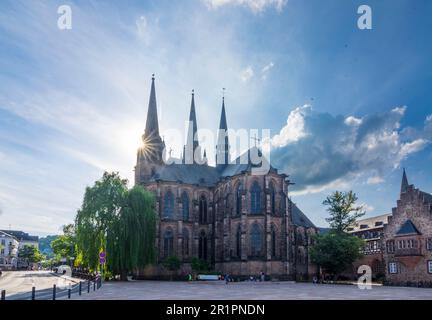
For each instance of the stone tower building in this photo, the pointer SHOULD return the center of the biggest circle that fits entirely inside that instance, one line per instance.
(239, 222)
(408, 238)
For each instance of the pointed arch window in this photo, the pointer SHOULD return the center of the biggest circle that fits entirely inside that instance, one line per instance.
(185, 242)
(255, 198)
(202, 246)
(256, 241)
(203, 210)
(273, 242)
(168, 210)
(238, 242)
(185, 206)
(272, 198)
(239, 200)
(168, 243)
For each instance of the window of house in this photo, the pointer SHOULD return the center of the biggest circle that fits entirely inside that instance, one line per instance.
(256, 240)
(390, 245)
(429, 244)
(185, 206)
(185, 242)
(255, 198)
(393, 267)
(239, 200)
(238, 242)
(272, 199)
(168, 243)
(168, 210)
(203, 210)
(430, 266)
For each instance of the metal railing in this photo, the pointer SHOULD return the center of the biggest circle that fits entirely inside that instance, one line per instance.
(55, 292)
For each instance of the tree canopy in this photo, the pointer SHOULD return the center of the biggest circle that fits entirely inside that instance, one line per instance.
(101, 206)
(130, 239)
(30, 253)
(120, 222)
(342, 209)
(336, 250)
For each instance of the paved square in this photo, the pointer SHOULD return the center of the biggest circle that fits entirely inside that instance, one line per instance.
(155, 290)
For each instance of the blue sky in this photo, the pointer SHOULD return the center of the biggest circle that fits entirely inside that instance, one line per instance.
(347, 108)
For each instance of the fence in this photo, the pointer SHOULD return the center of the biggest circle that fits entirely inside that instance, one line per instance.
(55, 292)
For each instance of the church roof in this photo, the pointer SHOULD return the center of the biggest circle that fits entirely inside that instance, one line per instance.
(408, 228)
(299, 218)
(187, 173)
(243, 163)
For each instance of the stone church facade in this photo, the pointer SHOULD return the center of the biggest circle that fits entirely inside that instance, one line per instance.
(240, 222)
(408, 238)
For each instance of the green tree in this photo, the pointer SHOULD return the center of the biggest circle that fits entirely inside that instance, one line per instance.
(64, 246)
(342, 209)
(172, 263)
(101, 206)
(131, 236)
(30, 253)
(336, 251)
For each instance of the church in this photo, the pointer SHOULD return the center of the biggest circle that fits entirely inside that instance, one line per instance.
(239, 222)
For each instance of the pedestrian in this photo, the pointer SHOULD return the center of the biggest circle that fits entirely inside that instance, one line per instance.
(262, 276)
(226, 278)
(315, 279)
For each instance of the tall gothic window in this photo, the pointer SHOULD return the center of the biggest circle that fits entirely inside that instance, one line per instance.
(168, 211)
(272, 199)
(238, 241)
(203, 210)
(185, 206)
(256, 240)
(282, 204)
(185, 242)
(168, 243)
(273, 242)
(239, 200)
(202, 246)
(255, 198)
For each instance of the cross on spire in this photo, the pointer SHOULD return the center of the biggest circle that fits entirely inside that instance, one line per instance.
(256, 139)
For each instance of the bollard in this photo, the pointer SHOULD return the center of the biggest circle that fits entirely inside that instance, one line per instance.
(94, 285)
(88, 286)
(33, 293)
(3, 295)
(80, 288)
(54, 291)
(69, 293)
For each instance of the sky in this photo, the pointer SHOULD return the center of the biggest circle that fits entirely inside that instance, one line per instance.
(347, 108)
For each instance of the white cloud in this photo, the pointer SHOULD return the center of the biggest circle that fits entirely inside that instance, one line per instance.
(246, 74)
(353, 121)
(294, 129)
(320, 150)
(254, 5)
(265, 70)
(375, 180)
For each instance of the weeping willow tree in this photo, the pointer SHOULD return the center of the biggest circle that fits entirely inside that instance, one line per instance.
(130, 240)
(100, 209)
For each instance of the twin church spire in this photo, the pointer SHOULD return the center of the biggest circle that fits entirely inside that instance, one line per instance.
(192, 149)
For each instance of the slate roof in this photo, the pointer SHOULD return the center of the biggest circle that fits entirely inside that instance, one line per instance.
(187, 173)
(299, 218)
(408, 228)
(21, 236)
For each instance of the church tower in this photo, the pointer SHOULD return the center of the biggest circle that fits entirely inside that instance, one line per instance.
(222, 147)
(192, 150)
(150, 154)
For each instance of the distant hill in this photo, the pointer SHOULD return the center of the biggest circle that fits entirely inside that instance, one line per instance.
(45, 245)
